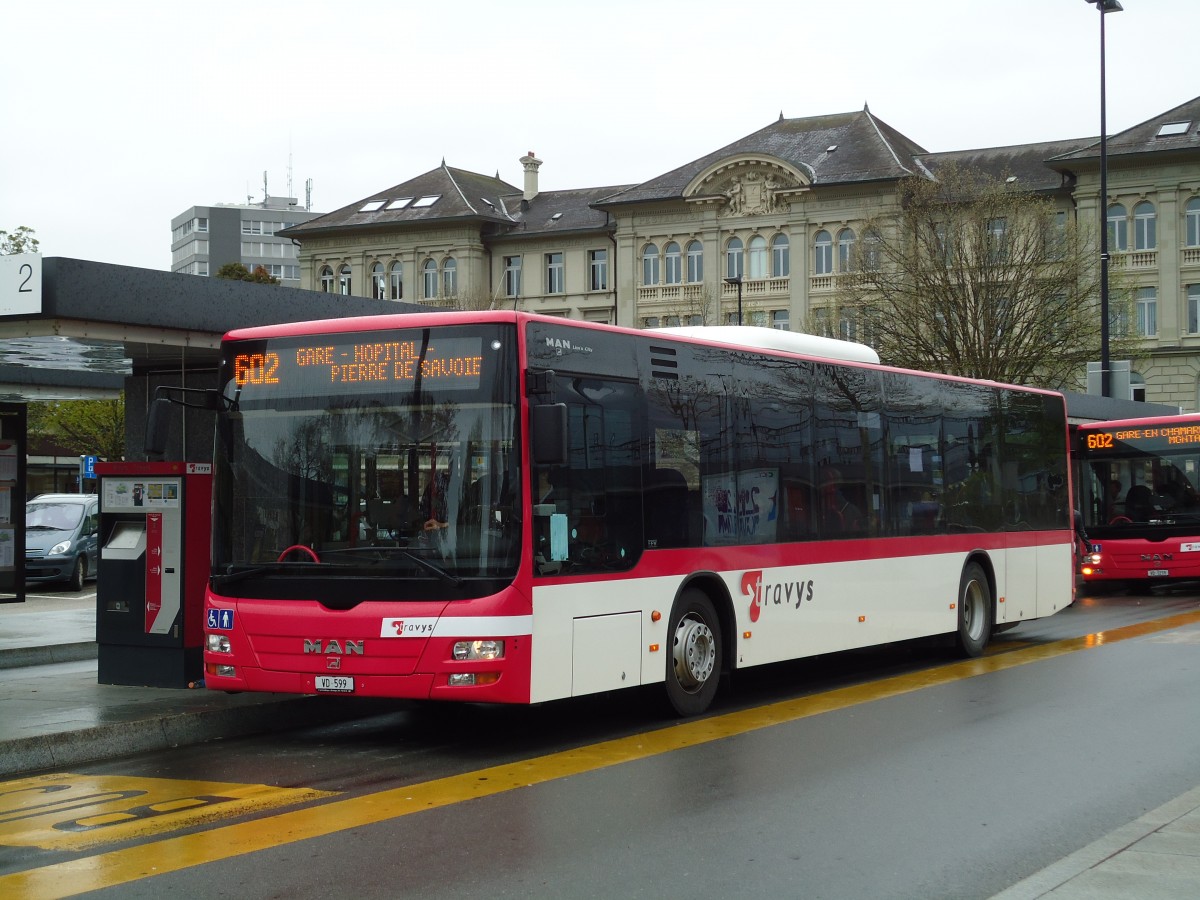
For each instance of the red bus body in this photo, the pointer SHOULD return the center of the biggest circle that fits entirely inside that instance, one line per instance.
(1136, 480)
(392, 517)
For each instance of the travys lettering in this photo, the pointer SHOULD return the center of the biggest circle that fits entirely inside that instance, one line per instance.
(775, 593)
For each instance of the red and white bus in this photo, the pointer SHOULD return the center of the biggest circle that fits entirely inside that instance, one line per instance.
(1137, 484)
(513, 508)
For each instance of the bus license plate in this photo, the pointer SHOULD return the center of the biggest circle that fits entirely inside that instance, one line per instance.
(339, 684)
(1158, 573)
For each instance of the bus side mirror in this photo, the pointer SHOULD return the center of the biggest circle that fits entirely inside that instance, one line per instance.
(548, 434)
(158, 428)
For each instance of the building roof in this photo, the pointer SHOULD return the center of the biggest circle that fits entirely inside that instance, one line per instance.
(440, 194)
(833, 149)
(555, 212)
(1026, 162)
(1176, 129)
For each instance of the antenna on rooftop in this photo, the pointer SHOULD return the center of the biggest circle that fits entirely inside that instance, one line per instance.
(308, 195)
(290, 194)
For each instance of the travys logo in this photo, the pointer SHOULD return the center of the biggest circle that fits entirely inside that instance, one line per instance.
(407, 627)
(776, 593)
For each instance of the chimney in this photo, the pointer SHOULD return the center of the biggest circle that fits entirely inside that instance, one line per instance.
(531, 163)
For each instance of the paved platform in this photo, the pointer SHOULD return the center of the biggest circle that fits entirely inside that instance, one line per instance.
(53, 714)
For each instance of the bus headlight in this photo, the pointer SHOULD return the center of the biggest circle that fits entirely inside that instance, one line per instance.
(465, 650)
(218, 643)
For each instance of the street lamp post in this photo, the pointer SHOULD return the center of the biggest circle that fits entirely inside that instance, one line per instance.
(1105, 7)
(737, 279)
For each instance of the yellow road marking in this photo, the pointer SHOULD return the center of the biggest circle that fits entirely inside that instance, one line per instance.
(79, 812)
(226, 842)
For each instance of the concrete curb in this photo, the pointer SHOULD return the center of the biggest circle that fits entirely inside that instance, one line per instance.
(20, 657)
(162, 732)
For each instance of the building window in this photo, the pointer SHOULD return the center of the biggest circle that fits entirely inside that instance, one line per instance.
(1192, 222)
(781, 261)
(512, 276)
(695, 262)
(429, 275)
(734, 263)
(1056, 236)
(397, 281)
(673, 268)
(1143, 226)
(780, 320)
(670, 321)
(823, 254)
(650, 265)
(756, 254)
(598, 270)
(327, 279)
(344, 284)
(1193, 308)
(554, 273)
(869, 257)
(695, 319)
(378, 282)
(845, 250)
(450, 278)
(1147, 311)
(650, 322)
(997, 240)
(1118, 229)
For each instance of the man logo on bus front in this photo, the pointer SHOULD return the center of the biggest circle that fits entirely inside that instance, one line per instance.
(782, 593)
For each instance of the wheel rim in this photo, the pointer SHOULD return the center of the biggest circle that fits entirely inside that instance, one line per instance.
(695, 653)
(973, 613)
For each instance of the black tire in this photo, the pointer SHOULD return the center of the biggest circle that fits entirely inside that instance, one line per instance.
(78, 574)
(695, 659)
(975, 611)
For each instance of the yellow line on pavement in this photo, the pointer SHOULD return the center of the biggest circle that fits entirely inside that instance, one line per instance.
(173, 854)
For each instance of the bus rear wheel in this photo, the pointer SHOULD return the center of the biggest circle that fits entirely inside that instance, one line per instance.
(694, 666)
(974, 611)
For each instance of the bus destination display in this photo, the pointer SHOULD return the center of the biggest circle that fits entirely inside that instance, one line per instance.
(1158, 437)
(292, 368)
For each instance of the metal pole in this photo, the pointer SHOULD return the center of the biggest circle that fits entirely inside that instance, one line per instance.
(1105, 373)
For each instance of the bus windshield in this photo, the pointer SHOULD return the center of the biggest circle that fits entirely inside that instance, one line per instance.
(387, 459)
(1134, 478)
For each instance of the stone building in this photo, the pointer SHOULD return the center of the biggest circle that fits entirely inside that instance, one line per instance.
(761, 229)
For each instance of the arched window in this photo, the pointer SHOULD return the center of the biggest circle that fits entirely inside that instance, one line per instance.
(695, 262)
(378, 282)
(781, 261)
(327, 279)
(1144, 237)
(429, 275)
(757, 257)
(450, 278)
(734, 267)
(344, 280)
(673, 269)
(845, 249)
(650, 265)
(823, 253)
(869, 257)
(397, 281)
(1118, 228)
(1192, 223)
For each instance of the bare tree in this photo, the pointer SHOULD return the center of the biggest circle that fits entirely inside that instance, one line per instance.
(973, 277)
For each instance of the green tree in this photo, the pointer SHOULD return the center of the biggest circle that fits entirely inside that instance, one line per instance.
(235, 271)
(19, 240)
(972, 277)
(82, 426)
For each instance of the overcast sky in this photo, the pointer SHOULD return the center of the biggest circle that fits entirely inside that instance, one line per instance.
(118, 116)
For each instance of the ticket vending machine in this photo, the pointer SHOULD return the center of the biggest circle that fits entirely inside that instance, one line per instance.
(154, 565)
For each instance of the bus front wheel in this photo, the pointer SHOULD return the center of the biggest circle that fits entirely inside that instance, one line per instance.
(974, 611)
(694, 666)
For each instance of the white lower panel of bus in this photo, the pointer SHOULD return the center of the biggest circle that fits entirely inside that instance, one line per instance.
(602, 635)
